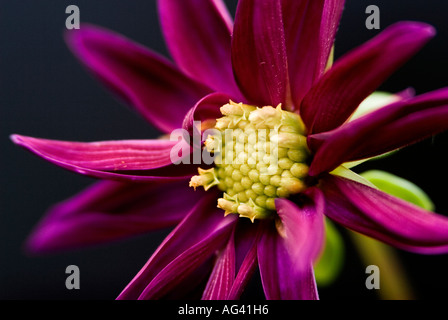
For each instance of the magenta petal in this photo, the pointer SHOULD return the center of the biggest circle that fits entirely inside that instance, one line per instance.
(143, 160)
(240, 257)
(223, 274)
(310, 29)
(198, 236)
(286, 256)
(259, 52)
(111, 210)
(384, 217)
(356, 75)
(207, 108)
(198, 35)
(331, 17)
(146, 81)
(280, 279)
(397, 125)
(244, 274)
(105, 155)
(303, 227)
(302, 40)
(246, 258)
(183, 265)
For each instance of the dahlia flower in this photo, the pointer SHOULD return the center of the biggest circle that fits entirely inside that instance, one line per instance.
(269, 71)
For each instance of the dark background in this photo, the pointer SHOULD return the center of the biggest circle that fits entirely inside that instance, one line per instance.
(44, 92)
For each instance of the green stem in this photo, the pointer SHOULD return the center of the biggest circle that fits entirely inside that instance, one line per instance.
(394, 283)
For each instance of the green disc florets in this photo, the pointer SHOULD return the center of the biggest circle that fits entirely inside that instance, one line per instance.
(260, 154)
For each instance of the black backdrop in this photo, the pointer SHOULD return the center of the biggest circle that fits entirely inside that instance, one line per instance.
(44, 92)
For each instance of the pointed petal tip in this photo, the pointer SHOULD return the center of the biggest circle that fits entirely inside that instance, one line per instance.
(15, 138)
(424, 28)
(38, 244)
(73, 38)
(431, 31)
(81, 41)
(22, 141)
(35, 245)
(418, 31)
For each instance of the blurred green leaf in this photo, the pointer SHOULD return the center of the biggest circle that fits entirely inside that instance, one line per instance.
(331, 261)
(374, 102)
(399, 187)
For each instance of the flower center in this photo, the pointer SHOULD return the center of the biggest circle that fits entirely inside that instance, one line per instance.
(260, 154)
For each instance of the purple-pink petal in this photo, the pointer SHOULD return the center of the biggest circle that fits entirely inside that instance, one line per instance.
(235, 265)
(259, 52)
(145, 80)
(331, 16)
(310, 29)
(360, 72)
(286, 253)
(203, 231)
(221, 279)
(394, 126)
(207, 108)
(303, 227)
(128, 160)
(180, 268)
(198, 35)
(384, 217)
(301, 19)
(110, 211)
(245, 271)
(280, 279)
(246, 240)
